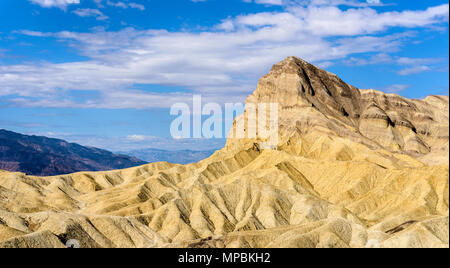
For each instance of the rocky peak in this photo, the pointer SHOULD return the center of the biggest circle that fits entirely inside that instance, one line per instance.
(312, 99)
(295, 82)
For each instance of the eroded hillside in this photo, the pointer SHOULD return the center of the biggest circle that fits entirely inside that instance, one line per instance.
(352, 168)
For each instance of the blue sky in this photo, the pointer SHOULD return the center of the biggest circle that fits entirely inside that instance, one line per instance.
(105, 72)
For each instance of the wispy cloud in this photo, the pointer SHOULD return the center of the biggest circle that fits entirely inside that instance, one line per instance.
(414, 70)
(266, 2)
(409, 65)
(55, 3)
(137, 138)
(221, 63)
(125, 5)
(88, 12)
(396, 88)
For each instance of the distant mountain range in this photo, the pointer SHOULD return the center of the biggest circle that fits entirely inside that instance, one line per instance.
(177, 157)
(44, 156)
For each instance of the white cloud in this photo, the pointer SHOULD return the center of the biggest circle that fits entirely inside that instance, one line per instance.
(414, 65)
(266, 2)
(34, 33)
(351, 3)
(396, 88)
(125, 5)
(415, 70)
(138, 138)
(379, 58)
(137, 6)
(416, 61)
(55, 3)
(222, 63)
(88, 12)
(332, 21)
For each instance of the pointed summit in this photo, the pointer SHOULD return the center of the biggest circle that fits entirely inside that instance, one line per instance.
(294, 82)
(312, 99)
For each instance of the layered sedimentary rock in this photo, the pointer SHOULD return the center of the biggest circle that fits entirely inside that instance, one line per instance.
(352, 168)
(312, 99)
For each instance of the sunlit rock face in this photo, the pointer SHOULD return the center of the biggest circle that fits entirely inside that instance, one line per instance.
(352, 168)
(312, 99)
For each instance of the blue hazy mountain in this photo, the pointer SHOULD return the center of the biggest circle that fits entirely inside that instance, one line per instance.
(42, 156)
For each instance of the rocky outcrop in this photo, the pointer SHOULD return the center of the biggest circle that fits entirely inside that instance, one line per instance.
(312, 99)
(352, 168)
